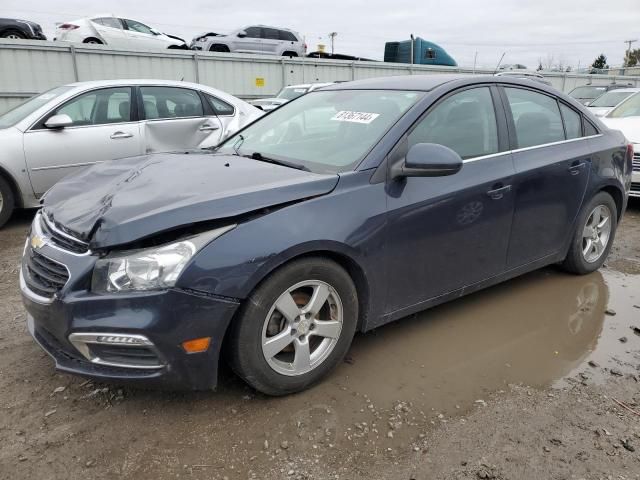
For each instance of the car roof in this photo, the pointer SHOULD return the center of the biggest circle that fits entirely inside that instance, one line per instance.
(425, 83)
(135, 81)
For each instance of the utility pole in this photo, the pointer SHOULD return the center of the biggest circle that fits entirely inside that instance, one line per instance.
(333, 36)
(412, 40)
(628, 42)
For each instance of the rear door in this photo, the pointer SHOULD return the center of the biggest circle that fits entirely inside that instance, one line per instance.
(104, 128)
(271, 42)
(553, 162)
(110, 28)
(448, 232)
(176, 118)
(141, 35)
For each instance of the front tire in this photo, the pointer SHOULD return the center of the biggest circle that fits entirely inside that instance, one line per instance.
(7, 201)
(93, 41)
(295, 327)
(594, 234)
(13, 35)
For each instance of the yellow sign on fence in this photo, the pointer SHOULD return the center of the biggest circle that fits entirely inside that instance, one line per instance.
(259, 82)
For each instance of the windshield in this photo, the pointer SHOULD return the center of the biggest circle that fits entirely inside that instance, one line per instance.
(324, 131)
(587, 92)
(289, 93)
(629, 108)
(610, 99)
(13, 116)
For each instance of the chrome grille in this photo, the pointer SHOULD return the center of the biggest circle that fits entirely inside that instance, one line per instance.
(43, 276)
(61, 238)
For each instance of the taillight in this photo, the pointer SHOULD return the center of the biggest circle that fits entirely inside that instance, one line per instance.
(68, 26)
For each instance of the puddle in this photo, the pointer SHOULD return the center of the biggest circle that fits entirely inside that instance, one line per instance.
(535, 330)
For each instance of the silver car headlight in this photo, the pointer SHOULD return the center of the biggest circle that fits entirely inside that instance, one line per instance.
(155, 268)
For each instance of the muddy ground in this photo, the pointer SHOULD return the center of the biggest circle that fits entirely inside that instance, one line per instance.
(521, 381)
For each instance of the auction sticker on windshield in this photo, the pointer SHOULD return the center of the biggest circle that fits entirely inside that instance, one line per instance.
(356, 117)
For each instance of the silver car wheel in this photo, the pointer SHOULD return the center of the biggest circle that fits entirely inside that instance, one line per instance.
(596, 233)
(302, 327)
(13, 36)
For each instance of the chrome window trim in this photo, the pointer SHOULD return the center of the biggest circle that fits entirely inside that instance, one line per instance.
(533, 147)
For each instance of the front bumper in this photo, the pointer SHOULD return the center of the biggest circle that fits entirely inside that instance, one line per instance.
(165, 318)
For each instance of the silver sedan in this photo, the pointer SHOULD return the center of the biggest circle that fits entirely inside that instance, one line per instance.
(72, 126)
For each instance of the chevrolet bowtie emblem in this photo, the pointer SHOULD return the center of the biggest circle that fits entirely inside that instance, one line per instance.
(37, 242)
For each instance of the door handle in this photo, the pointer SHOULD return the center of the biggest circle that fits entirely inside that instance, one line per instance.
(497, 192)
(117, 135)
(576, 168)
(208, 128)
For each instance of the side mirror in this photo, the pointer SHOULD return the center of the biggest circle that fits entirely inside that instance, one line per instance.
(427, 160)
(59, 121)
(242, 34)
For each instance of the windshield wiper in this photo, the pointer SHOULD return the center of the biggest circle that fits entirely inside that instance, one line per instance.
(258, 156)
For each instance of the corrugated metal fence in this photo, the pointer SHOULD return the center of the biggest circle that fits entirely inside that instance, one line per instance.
(31, 67)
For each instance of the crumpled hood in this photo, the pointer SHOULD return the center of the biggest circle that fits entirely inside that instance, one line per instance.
(122, 201)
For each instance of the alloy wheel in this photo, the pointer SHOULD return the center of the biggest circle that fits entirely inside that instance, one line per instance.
(596, 233)
(13, 36)
(302, 328)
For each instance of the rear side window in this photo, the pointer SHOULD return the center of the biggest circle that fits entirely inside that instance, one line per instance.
(108, 22)
(572, 123)
(288, 36)
(465, 122)
(536, 117)
(98, 107)
(270, 34)
(170, 102)
(589, 129)
(220, 107)
(136, 26)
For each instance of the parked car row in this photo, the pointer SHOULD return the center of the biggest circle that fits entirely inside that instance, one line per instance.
(349, 207)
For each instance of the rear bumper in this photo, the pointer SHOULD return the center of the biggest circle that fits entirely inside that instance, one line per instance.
(166, 318)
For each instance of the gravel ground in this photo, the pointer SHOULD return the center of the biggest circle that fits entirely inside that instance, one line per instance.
(534, 379)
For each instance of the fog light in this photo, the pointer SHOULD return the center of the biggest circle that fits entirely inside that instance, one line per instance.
(196, 345)
(120, 340)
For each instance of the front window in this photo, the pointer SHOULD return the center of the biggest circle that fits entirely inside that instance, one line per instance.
(629, 108)
(610, 99)
(324, 131)
(20, 112)
(99, 107)
(587, 92)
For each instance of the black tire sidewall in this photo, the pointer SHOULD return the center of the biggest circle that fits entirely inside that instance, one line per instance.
(8, 203)
(246, 355)
(575, 261)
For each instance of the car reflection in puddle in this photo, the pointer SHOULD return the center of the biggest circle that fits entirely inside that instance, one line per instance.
(531, 330)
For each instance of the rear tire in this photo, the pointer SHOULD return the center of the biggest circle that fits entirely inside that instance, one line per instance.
(13, 34)
(289, 54)
(219, 48)
(93, 41)
(313, 334)
(594, 235)
(7, 201)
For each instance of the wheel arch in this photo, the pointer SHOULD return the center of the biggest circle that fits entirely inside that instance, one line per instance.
(617, 195)
(340, 254)
(15, 189)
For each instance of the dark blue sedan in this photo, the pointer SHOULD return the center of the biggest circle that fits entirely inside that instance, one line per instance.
(343, 210)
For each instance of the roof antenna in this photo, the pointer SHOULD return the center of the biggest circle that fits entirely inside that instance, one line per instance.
(499, 62)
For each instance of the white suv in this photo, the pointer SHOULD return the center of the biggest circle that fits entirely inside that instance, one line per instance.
(254, 39)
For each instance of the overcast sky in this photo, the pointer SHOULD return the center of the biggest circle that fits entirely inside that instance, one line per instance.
(571, 31)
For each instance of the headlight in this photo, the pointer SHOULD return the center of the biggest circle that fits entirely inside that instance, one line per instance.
(154, 268)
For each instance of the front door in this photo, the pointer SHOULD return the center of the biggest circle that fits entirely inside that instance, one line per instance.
(103, 129)
(452, 231)
(552, 162)
(175, 118)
